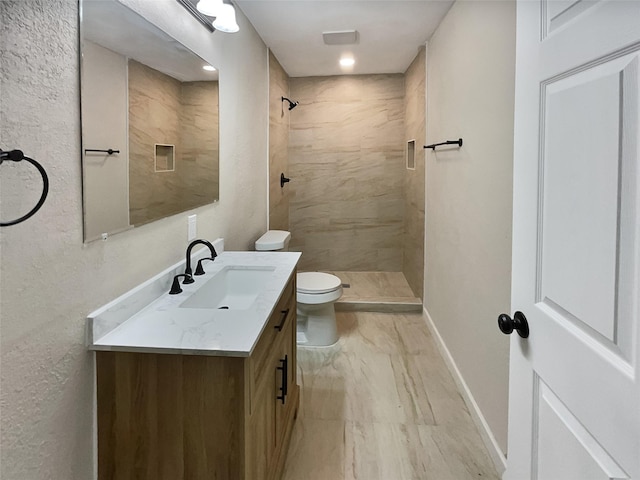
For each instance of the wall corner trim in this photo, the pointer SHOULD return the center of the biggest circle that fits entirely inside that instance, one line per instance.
(490, 442)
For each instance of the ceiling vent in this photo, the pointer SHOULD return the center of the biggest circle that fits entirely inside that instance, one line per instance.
(344, 37)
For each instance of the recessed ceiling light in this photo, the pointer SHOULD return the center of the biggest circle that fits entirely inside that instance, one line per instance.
(347, 62)
(209, 68)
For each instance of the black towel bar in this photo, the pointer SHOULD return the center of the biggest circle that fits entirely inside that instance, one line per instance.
(448, 142)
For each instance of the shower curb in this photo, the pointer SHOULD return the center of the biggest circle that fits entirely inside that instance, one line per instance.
(381, 307)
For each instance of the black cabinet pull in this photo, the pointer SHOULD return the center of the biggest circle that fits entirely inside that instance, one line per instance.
(284, 367)
(284, 314)
(286, 375)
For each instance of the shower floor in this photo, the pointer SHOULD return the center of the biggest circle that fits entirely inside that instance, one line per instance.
(376, 292)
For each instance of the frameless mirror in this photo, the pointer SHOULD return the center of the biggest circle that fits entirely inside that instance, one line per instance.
(149, 122)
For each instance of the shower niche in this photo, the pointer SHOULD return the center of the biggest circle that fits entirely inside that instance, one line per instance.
(411, 155)
(164, 156)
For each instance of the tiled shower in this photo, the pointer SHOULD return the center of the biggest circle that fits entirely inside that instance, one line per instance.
(353, 205)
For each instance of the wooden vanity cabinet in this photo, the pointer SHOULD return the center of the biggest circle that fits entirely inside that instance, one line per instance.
(197, 417)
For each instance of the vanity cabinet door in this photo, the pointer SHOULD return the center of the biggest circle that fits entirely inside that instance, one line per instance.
(264, 356)
(265, 384)
(285, 380)
(286, 412)
(261, 439)
(273, 381)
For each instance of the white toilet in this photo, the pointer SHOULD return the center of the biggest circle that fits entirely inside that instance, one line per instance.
(316, 294)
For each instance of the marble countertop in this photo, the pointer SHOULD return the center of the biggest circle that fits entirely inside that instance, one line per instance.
(132, 324)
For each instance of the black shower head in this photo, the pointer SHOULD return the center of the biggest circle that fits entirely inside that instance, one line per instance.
(292, 105)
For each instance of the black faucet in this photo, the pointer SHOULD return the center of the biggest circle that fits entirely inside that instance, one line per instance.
(175, 286)
(199, 267)
(187, 271)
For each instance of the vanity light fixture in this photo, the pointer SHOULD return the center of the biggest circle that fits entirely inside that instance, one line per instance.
(213, 14)
(209, 7)
(226, 19)
(347, 62)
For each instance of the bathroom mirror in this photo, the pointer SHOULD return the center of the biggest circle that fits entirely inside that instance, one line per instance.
(149, 122)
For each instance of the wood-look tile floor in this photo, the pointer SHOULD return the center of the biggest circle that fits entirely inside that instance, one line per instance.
(381, 405)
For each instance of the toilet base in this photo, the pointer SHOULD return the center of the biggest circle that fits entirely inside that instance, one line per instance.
(316, 325)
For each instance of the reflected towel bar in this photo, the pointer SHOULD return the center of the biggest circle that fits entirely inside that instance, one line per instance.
(448, 142)
(110, 151)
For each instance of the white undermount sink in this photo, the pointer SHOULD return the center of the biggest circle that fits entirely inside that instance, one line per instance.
(232, 288)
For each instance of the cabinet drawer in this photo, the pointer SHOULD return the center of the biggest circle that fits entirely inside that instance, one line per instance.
(283, 315)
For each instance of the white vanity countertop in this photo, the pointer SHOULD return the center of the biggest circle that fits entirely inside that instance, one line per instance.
(163, 327)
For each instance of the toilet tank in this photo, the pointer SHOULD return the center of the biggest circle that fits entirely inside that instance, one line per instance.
(274, 241)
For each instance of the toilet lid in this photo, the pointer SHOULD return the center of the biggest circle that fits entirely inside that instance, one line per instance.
(273, 240)
(317, 282)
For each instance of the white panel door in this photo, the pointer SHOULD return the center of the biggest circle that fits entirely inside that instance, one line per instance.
(574, 400)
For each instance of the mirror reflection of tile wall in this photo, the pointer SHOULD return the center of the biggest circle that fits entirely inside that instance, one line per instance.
(163, 110)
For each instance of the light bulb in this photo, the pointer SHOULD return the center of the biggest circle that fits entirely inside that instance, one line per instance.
(226, 19)
(209, 7)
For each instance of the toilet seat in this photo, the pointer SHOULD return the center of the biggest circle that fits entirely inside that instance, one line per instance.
(317, 282)
(315, 288)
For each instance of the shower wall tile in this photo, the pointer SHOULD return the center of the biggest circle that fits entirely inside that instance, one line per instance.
(346, 154)
(279, 115)
(414, 180)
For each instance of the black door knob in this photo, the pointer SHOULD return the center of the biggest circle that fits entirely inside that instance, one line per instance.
(518, 323)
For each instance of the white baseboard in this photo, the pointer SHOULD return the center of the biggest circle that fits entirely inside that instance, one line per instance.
(486, 434)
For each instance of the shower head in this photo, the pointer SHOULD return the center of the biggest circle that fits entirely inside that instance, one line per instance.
(292, 105)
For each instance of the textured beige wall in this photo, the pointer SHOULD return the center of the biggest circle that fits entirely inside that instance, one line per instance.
(50, 280)
(279, 115)
(163, 110)
(346, 158)
(470, 79)
(414, 180)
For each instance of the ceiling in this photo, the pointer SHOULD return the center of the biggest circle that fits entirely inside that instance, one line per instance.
(390, 32)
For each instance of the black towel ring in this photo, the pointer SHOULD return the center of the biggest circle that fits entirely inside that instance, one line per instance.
(17, 156)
